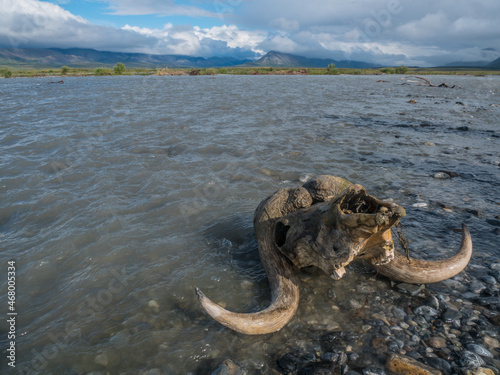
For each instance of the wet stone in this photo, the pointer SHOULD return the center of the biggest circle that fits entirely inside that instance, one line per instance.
(331, 295)
(373, 371)
(495, 266)
(433, 302)
(496, 275)
(374, 322)
(398, 313)
(395, 345)
(320, 368)
(439, 364)
(411, 289)
(477, 287)
(470, 360)
(337, 357)
(452, 316)
(101, 359)
(437, 342)
(332, 340)
(480, 371)
(491, 343)
(385, 330)
(400, 364)
(490, 280)
(228, 367)
(426, 311)
(470, 295)
(288, 362)
(360, 361)
(479, 350)
(379, 344)
(495, 320)
(442, 176)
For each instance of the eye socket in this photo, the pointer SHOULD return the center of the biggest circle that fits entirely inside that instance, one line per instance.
(335, 249)
(280, 231)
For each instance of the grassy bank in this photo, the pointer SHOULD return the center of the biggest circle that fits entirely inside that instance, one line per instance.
(7, 72)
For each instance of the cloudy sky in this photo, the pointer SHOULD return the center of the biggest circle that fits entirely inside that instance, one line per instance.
(387, 32)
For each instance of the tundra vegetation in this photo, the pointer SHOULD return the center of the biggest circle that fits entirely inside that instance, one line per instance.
(331, 69)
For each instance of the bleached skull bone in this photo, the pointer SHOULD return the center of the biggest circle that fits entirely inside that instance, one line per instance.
(327, 223)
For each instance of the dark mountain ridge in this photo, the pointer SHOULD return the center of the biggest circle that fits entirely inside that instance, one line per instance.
(86, 58)
(287, 60)
(90, 58)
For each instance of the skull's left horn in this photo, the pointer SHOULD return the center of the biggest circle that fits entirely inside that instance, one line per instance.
(417, 271)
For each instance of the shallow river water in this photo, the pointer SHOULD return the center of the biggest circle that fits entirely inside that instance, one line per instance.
(120, 195)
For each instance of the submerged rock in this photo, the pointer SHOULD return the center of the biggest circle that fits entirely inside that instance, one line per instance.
(470, 360)
(228, 367)
(479, 350)
(400, 364)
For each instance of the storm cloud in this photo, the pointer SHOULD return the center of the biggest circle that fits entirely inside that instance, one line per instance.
(387, 32)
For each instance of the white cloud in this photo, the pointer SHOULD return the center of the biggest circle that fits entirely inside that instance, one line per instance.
(205, 42)
(31, 23)
(381, 31)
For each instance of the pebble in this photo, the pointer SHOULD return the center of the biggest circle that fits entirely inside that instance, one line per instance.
(495, 266)
(470, 360)
(404, 325)
(373, 371)
(426, 311)
(437, 342)
(490, 280)
(479, 350)
(227, 367)
(452, 316)
(411, 289)
(400, 364)
(338, 357)
(480, 371)
(398, 313)
(288, 362)
(101, 359)
(491, 343)
(154, 306)
(477, 287)
(442, 176)
(419, 205)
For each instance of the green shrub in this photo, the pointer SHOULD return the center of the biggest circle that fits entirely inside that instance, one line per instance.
(331, 69)
(388, 70)
(119, 68)
(102, 72)
(64, 70)
(208, 71)
(401, 69)
(7, 74)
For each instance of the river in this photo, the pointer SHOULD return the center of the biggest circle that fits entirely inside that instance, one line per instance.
(120, 195)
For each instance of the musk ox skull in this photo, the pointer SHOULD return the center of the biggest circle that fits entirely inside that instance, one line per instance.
(327, 223)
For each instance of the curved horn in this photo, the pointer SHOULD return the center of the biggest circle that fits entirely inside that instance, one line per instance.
(419, 271)
(284, 288)
(284, 299)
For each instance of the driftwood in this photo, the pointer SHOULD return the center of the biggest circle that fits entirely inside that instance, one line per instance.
(424, 81)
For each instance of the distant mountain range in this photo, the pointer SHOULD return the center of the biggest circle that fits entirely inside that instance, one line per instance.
(476, 64)
(90, 58)
(38, 58)
(286, 60)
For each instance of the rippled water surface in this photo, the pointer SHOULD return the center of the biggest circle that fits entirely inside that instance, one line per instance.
(119, 195)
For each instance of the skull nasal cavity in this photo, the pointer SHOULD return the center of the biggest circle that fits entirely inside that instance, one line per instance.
(280, 232)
